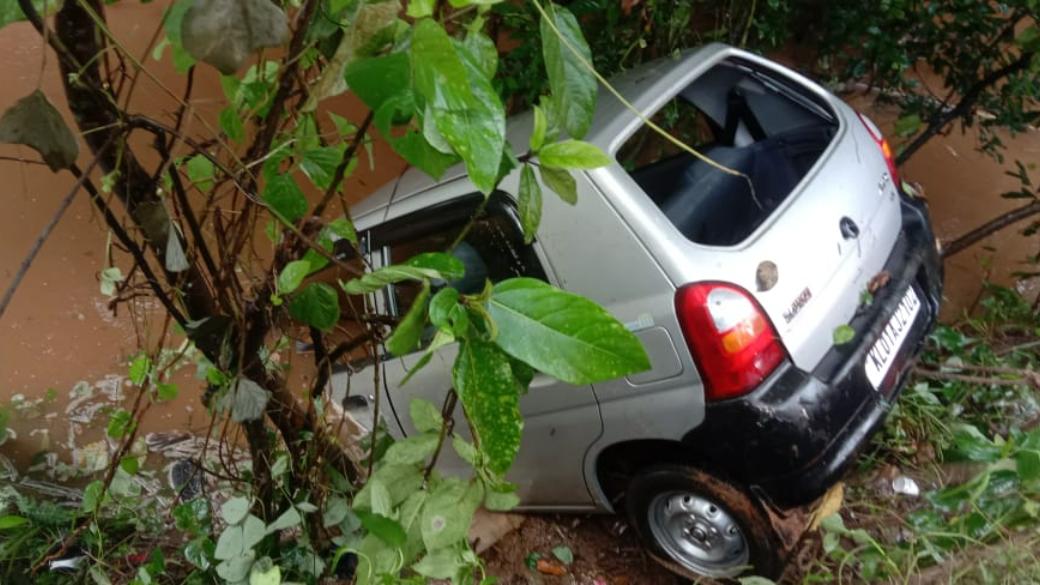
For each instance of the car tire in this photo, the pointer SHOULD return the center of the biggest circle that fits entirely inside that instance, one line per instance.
(699, 526)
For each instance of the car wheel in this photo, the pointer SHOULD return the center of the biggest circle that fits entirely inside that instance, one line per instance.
(700, 526)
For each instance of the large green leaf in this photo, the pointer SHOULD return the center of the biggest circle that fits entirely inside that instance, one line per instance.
(483, 51)
(405, 336)
(316, 305)
(34, 122)
(386, 529)
(572, 84)
(284, 196)
(431, 265)
(377, 79)
(437, 70)
(491, 398)
(562, 334)
(572, 154)
(529, 204)
(448, 512)
(477, 132)
(412, 146)
(425, 416)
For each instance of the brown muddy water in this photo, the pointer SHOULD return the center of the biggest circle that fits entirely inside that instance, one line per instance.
(64, 353)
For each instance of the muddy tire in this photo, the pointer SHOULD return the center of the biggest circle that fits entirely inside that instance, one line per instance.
(697, 525)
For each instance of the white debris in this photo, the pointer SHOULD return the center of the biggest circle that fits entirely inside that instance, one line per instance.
(906, 486)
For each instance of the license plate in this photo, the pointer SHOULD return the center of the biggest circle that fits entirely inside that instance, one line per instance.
(883, 353)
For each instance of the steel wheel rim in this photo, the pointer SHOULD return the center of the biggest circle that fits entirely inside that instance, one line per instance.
(699, 534)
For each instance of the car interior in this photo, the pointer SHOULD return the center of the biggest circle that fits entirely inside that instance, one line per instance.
(741, 118)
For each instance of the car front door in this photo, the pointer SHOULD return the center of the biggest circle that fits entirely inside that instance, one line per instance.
(561, 420)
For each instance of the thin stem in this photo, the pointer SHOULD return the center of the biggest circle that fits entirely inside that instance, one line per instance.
(46, 232)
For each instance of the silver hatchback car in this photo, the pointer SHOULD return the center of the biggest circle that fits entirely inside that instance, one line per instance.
(735, 284)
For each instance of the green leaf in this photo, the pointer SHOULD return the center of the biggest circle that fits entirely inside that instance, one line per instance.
(382, 501)
(501, 501)
(405, 336)
(387, 530)
(265, 572)
(425, 416)
(483, 52)
(476, 133)
(253, 531)
(139, 369)
(336, 510)
(448, 513)
(560, 182)
(342, 228)
(437, 70)
(564, 554)
(491, 398)
(231, 124)
(530, 204)
(428, 266)
(236, 569)
(34, 122)
(229, 544)
(1029, 38)
(908, 125)
(199, 552)
(120, 424)
(377, 79)
(92, 496)
(439, 564)
(288, 519)
(1027, 462)
(316, 305)
(843, 334)
(572, 84)
(201, 172)
(562, 334)
(420, 8)
(234, 510)
(465, 450)
(412, 450)
(9, 522)
(400, 480)
(572, 154)
(319, 164)
(540, 126)
(130, 465)
(225, 33)
(248, 400)
(284, 196)
(442, 305)
(292, 275)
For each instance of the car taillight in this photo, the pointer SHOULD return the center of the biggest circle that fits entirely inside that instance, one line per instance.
(886, 148)
(731, 339)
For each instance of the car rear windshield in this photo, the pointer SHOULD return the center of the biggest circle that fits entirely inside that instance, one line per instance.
(768, 129)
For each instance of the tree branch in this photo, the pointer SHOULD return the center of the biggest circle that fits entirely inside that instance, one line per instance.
(964, 105)
(46, 232)
(992, 226)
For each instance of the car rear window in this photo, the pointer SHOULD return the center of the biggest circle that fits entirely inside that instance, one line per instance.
(741, 117)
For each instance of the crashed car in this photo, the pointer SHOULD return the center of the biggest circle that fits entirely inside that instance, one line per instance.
(781, 282)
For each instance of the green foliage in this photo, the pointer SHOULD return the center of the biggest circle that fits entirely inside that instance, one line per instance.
(567, 59)
(316, 305)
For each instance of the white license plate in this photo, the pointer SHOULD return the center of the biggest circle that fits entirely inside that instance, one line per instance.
(883, 353)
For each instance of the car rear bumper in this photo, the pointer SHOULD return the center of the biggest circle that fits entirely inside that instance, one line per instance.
(794, 437)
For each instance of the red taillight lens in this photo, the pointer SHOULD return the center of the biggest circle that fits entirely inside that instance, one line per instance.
(731, 339)
(886, 149)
